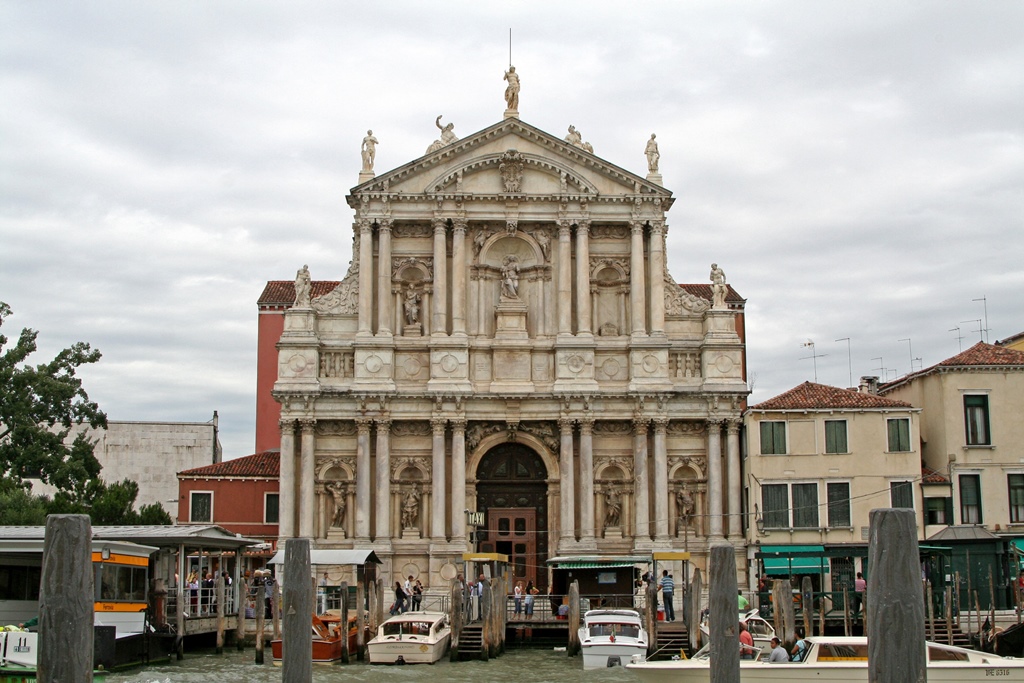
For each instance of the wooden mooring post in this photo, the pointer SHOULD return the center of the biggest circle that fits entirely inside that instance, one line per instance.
(360, 618)
(693, 629)
(243, 600)
(66, 601)
(297, 643)
(574, 620)
(260, 611)
(724, 626)
(897, 604)
(846, 611)
(218, 592)
(807, 602)
(930, 604)
(345, 656)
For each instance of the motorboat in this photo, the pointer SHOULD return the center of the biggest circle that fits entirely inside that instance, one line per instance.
(612, 637)
(762, 631)
(411, 638)
(19, 651)
(836, 659)
(327, 639)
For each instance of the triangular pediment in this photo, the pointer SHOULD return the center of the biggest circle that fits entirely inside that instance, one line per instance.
(472, 166)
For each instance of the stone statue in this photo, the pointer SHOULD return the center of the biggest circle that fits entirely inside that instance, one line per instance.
(718, 287)
(574, 138)
(447, 135)
(563, 182)
(303, 285)
(543, 241)
(684, 506)
(337, 491)
(479, 241)
(510, 277)
(612, 508)
(511, 169)
(512, 91)
(411, 507)
(369, 150)
(653, 155)
(412, 305)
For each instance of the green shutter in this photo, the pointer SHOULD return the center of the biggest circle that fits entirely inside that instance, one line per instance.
(835, 436)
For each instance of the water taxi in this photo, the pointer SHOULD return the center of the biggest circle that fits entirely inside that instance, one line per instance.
(760, 630)
(411, 638)
(611, 637)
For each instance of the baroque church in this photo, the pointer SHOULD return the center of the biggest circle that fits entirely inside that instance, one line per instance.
(508, 341)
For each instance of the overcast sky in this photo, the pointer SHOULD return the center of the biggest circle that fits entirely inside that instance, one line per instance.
(857, 168)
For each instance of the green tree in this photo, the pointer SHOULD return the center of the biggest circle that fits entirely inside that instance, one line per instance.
(20, 508)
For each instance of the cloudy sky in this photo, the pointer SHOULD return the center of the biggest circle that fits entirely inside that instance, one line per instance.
(857, 168)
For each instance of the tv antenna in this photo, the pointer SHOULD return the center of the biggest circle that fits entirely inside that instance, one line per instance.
(510, 46)
(984, 302)
(959, 338)
(849, 357)
(881, 367)
(814, 356)
(911, 347)
(981, 331)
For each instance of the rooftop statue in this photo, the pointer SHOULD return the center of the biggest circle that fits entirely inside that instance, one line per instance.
(718, 287)
(653, 155)
(447, 135)
(512, 91)
(369, 150)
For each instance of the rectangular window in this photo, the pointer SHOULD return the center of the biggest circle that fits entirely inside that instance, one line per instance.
(201, 507)
(773, 438)
(901, 494)
(805, 506)
(1015, 483)
(899, 435)
(835, 436)
(938, 510)
(271, 508)
(976, 420)
(775, 505)
(970, 499)
(839, 504)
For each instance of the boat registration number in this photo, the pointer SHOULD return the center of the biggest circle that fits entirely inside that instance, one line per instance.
(997, 672)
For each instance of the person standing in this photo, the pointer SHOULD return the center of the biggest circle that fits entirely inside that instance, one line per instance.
(528, 599)
(407, 589)
(518, 597)
(399, 604)
(417, 595)
(322, 590)
(860, 586)
(668, 588)
(742, 601)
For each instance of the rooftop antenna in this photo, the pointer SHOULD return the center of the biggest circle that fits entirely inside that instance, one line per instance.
(881, 367)
(959, 338)
(984, 302)
(911, 347)
(814, 355)
(981, 331)
(920, 363)
(849, 357)
(510, 46)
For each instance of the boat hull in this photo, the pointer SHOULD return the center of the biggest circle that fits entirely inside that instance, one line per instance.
(795, 672)
(604, 655)
(409, 650)
(324, 651)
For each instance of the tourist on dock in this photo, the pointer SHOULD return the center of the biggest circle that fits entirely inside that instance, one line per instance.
(518, 593)
(397, 607)
(668, 588)
(407, 588)
(479, 593)
(417, 595)
(744, 604)
(778, 652)
(860, 586)
(268, 593)
(528, 599)
(747, 649)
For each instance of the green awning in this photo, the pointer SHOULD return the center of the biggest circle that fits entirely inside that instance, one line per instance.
(593, 565)
(783, 560)
(1017, 545)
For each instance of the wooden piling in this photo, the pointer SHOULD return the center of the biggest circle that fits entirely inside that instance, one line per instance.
(949, 615)
(575, 646)
(297, 641)
(241, 602)
(485, 620)
(360, 619)
(218, 593)
(786, 613)
(694, 630)
(807, 601)
(846, 611)
(897, 604)
(66, 601)
(275, 608)
(455, 619)
(725, 651)
(345, 658)
(929, 602)
(260, 610)
(651, 615)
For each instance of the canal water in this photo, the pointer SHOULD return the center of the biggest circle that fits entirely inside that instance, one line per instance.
(515, 666)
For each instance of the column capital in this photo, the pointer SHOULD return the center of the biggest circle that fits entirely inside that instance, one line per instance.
(565, 424)
(286, 424)
(640, 424)
(438, 424)
(564, 229)
(583, 227)
(587, 424)
(660, 424)
(440, 225)
(715, 422)
(459, 225)
(365, 226)
(308, 424)
(363, 425)
(636, 227)
(732, 426)
(458, 424)
(383, 423)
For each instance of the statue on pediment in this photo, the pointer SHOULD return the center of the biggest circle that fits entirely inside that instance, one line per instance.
(303, 286)
(653, 155)
(718, 287)
(512, 91)
(369, 150)
(574, 138)
(447, 135)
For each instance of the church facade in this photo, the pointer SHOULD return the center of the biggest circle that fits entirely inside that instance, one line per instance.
(508, 341)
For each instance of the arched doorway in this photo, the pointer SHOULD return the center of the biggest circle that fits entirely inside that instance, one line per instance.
(512, 491)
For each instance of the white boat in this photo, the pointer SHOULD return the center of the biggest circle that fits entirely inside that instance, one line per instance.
(761, 630)
(612, 637)
(837, 659)
(411, 638)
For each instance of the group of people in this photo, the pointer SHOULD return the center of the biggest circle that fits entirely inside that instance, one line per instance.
(779, 653)
(523, 598)
(408, 596)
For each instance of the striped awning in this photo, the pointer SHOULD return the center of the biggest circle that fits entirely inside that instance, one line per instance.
(593, 565)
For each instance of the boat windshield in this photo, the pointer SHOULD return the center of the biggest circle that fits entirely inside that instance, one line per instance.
(842, 652)
(757, 628)
(941, 654)
(407, 628)
(620, 630)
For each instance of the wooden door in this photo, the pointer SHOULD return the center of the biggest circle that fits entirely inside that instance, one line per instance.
(513, 532)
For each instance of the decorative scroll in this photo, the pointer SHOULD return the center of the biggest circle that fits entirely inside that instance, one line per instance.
(425, 264)
(479, 430)
(419, 464)
(413, 230)
(421, 428)
(615, 232)
(343, 299)
(613, 428)
(680, 302)
(335, 428)
(544, 431)
(686, 428)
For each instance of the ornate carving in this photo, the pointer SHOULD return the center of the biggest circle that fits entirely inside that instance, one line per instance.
(689, 461)
(511, 169)
(614, 232)
(335, 428)
(411, 507)
(679, 302)
(613, 427)
(338, 493)
(685, 428)
(438, 425)
(544, 431)
(413, 230)
(612, 507)
(624, 465)
(411, 429)
(420, 464)
(476, 433)
(424, 264)
(598, 263)
(543, 241)
(326, 462)
(343, 299)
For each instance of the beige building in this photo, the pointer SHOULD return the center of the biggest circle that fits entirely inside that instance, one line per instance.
(819, 459)
(508, 341)
(972, 433)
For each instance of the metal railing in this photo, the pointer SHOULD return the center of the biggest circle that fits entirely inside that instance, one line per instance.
(199, 602)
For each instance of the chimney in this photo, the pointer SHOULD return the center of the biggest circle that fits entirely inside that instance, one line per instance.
(869, 385)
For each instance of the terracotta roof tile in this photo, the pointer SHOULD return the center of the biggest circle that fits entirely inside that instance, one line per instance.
(979, 355)
(265, 464)
(930, 476)
(282, 292)
(704, 292)
(811, 396)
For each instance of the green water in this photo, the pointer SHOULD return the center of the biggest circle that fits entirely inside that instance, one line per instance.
(541, 666)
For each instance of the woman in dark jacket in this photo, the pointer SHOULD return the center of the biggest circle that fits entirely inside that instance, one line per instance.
(399, 605)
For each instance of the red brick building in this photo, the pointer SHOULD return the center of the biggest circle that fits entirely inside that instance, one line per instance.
(240, 495)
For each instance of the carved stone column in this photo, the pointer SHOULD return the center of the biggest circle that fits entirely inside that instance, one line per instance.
(657, 278)
(383, 481)
(567, 485)
(637, 281)
(732, 431)
(459, 277)
(286, 528)
(307, 480)
(458, 480)
(437, 506)
(384, 315)
(365, 276)
(641, 483)
(583, 278)
(439, 324)
(363, 479)
(715, 478)
(564, 278)
(661, 513)
(587, 479)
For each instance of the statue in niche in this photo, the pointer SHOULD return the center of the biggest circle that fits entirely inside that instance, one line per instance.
(337, 491)
(479, 241)
(653, 155)
(447, 135)
(684, 506)
(544, 242)
(303, 285)
(718, 287)
(512, 91)
(411, 507)
(369, 150)
(510, 277)
(612, 508)
(412, 305)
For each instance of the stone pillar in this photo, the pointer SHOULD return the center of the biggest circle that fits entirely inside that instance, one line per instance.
(362, 512)
(383, 481)
(459, 277)
(583, 278)
(384, 297)
(307, 480)
(637, 281)
(732, 431)
(658, 278)
(587, 479)
(567, 487)
(564, 279)
(715, 478)
(459, 480)
(439, 324)
(641, 484)
(661, 513)
(365, 276)
(286, 528)
(437, 506)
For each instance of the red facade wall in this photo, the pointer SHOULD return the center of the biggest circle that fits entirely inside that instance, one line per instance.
(268, 411)
(237, 504)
